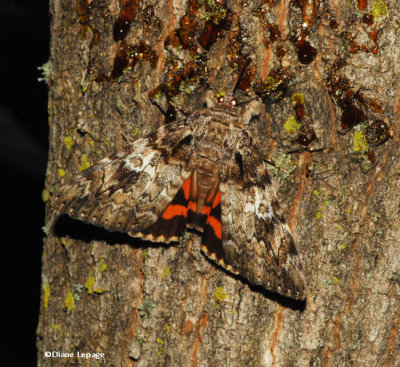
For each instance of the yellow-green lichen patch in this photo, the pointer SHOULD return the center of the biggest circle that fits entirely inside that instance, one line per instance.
(297, 98)
(46, 293)
(68, 141)
(160, 341)
(89, 142)
(318, 215)
(69, 302)
(90, 283)
(55, 326)
(335, 280)
(220, 94)
(45, 195)
(379, 9)
(270, 82)
(291, 125)
(101, 267)
(166, 272)
(61, 172)
(215, 12)
(84, 163)
(360, 143)
(219, 294)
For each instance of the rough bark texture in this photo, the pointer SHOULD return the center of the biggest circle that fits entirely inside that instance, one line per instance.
(154, 305)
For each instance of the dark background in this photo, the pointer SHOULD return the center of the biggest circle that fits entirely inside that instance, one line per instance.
(24, 40)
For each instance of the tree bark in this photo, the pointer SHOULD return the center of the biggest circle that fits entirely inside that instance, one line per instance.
(328, 73)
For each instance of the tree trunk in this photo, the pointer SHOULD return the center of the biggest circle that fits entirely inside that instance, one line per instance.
(328, 75)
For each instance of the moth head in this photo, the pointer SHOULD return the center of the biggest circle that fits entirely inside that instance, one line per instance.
(221, 98)
(226, 99)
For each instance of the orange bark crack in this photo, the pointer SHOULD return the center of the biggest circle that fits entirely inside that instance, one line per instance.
(392, 335)
(197, 342)
(276, 333)
(201, 323)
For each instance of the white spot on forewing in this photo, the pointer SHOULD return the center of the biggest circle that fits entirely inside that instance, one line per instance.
(249, 208)
(148, 158)
(144, 160)
(150, 170)
(263, 208)
(127, 163)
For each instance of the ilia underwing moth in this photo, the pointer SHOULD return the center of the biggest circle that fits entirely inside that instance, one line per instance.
(203, 172)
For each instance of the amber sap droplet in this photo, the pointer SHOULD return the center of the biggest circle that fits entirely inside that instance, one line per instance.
(305, 52)
(187, 31)
(274, 32)
(333, 24)
(121, 61)
(299, 111)
(362, 5)
(245, 80)
(373, 35)
(211, 32)
(193, 7)
(368, 19)
(306, 137)
(377, 132)
(371, 156)
(121, 29)
(351, 116)
(170, 114)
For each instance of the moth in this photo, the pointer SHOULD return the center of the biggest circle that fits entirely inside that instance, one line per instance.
(205, 173)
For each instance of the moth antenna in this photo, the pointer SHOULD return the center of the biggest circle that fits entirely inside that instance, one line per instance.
(244, 92)
(257, 98)
(212, 86)
(242, 69)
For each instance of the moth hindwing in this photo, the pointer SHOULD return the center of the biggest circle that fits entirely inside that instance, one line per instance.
(202, 172)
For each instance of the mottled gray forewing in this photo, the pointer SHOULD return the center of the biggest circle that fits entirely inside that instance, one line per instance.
(129, 190)
(256, 240)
